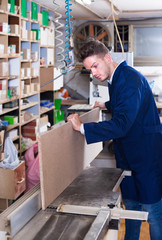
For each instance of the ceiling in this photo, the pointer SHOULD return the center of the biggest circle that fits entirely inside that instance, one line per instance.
(102, 9)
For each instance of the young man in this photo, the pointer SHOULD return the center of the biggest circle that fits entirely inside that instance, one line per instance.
(136, 132)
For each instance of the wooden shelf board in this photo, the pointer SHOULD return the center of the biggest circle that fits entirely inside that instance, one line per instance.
(25, 40)
(15, 138)
(35, 41)
(32, 119)
(34, 76)
(3, 33)
(35, 60)
(3, 11)
(12, 77)
(28, 95)
(25, 60)
(45, 110)
(26, 19)
(25, 78)
(9, 99)
(6, 110)
(31, 104)
(46, 46)
(33, 21)
(13, 14)
(13, 35)
(12, 126)
(46, 65)
(44, 26)
(4, 55)
(14, 56)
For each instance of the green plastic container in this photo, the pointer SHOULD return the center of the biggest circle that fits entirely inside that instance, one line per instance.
(23, 8)
(9, 93)
(37, 33)
(11, 119)
(58, 116)
(57, 102)
(12, 8)
(33, 11)
(45, 15)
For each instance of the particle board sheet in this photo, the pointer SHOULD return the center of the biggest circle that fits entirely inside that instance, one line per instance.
(63, 154)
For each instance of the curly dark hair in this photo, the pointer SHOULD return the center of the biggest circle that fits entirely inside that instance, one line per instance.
(93, 47)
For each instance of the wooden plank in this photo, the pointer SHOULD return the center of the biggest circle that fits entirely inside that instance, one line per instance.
(46, 75)
(63, 154)
(3, 204)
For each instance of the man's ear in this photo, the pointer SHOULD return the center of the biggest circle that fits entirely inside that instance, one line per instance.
(107, 58)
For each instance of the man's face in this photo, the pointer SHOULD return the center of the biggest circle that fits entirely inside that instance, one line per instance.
(99, 66)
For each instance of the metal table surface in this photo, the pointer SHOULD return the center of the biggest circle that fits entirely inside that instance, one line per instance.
(92, 188)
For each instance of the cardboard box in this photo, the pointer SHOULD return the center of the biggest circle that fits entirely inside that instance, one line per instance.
(12, 181)
(3, 84)
(23, 24)
(50, 56)
(43, 36)
(11, 119)
(36, 87)
(14, 28)
(4, 27)
(26, 89)
(32, 87)
(34, 55)
(44, 118)
(29, 35)
(3, 94)
(3, 69)
(12, 49)
(34, 34)
(27, 72)
(24, 33)
(1, 48)
(22, 72)
(34, 72)
(26, 53)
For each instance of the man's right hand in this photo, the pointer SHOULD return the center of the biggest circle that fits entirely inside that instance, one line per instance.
(101, 105)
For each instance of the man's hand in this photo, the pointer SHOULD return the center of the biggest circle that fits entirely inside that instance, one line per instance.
(75, 120)
(101, 105)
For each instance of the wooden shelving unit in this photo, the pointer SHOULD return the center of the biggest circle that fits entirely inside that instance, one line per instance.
(23, 50)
